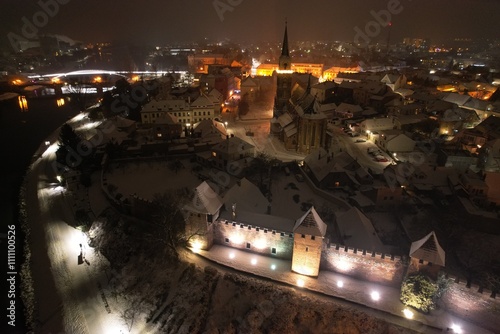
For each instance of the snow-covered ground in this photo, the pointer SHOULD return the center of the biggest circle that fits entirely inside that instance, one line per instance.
(71, 284)
(341, 287)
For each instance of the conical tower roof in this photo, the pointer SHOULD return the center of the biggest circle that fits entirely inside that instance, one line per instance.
(310, 224)
(428, 249)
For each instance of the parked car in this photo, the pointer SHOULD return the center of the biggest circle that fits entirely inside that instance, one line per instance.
(380, 158)
(360, 140)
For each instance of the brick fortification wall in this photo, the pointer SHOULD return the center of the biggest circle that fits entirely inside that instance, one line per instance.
(472, 303)
(261, 241)
(374, 267)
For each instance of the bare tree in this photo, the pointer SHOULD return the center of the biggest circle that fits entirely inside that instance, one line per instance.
(169, 222)
(129, 315)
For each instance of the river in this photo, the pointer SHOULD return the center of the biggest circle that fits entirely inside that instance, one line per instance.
(21, 133)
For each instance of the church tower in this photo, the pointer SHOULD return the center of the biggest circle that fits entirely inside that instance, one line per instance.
(283, 78)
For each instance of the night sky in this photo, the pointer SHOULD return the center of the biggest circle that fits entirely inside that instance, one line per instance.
(157, 22)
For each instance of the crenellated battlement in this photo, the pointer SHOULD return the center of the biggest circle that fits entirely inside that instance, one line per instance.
(365, 264)
(363, 252)
(462, 285)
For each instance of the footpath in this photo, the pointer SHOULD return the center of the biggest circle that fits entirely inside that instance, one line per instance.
(341, 287)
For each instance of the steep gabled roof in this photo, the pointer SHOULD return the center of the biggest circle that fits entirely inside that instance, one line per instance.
(310, 224)
(458, 99)
(247, 196)
(205, 200)
(232, 145)
(428, 249)
(357, 230)
(202, 101)
(249, 82)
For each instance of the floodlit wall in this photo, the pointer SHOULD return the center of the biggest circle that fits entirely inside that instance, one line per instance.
(254, 239)
(471, 301)
(367, 265)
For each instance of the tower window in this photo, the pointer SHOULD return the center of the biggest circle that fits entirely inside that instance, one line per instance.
(307, 249)
(248, 245)
(226, 240)
(273, 250)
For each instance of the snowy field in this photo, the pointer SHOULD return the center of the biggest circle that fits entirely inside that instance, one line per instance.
(147, 178)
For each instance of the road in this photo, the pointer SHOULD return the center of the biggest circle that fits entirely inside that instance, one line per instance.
(358, 150)
(67, 290)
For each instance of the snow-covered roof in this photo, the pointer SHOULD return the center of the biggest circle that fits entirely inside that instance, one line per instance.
(263, 221)
(324, 85)
(321, 163)
(458, 99)
(205, 200)
(247, 197)
(232, 145)
(357, 230)
(404, 92)
(166, 105)
(208, 128)
(202, 101)
(347, 107)
(248, 82)
(285, 119)
(310, 224)
(428, 249)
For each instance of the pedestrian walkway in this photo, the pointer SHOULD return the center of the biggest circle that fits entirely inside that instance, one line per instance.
(368, 294)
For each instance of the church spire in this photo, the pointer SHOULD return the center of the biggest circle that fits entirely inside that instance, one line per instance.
(285, 61)
(284, 48)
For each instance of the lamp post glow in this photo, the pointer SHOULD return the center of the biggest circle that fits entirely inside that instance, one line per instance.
(375, 295)
(340, 284)
(408, 313)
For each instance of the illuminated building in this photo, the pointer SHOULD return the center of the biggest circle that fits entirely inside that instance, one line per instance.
(297, 120)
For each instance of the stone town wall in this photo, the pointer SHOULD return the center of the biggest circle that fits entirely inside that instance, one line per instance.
(371, 266)
(254, 239)
(472, 302)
